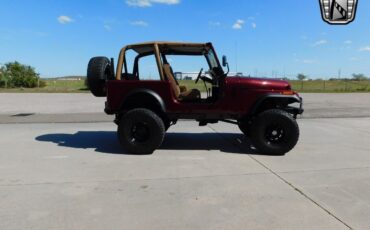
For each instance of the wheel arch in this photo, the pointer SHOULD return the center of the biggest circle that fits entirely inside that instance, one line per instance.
(144, 98)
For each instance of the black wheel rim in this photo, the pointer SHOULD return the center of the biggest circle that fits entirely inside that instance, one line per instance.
(140, 132)
(274, 134)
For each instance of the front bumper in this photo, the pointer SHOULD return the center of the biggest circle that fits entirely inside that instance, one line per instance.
(295, 110)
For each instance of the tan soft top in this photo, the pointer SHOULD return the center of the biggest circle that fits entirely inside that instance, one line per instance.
(170, 43)
(173, 46)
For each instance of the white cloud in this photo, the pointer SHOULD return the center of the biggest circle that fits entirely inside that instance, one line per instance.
(139, 23)
(319, 43)
(238, 24)
(107, 27)
(348, 42)
(139, 3)
(365, 49)
(149, 3)
(254, 25)
(64, 19)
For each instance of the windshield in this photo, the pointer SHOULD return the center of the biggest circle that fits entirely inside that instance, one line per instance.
(210, 55)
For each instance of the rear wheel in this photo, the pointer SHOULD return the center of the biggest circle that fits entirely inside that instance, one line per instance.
(167, 124)
(274, 132)
(141, 131)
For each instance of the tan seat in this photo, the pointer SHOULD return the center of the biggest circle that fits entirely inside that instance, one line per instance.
(181, 93)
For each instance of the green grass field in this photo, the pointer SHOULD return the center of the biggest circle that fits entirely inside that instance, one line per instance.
(54, 86)
(320, 86)
(317, 86)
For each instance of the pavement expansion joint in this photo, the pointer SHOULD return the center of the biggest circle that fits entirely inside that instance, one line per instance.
(303, 193)
(287, 182)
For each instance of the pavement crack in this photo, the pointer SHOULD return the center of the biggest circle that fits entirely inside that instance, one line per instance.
(301, 192)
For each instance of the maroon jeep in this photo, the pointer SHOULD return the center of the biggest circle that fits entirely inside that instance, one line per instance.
(145, 96)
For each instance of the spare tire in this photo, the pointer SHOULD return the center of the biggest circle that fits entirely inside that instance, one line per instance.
(98, 71)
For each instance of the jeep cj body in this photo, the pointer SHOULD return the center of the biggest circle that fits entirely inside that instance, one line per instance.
(146, 97)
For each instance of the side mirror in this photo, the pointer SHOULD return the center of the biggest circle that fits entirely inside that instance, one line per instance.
(224, 61)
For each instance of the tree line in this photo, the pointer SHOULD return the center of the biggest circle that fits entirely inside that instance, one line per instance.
(355, 77)
(15, 75)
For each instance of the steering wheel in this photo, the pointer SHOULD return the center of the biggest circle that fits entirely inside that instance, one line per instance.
(199, 75)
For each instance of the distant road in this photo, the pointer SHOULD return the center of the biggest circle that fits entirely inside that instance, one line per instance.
(50, 103)
(78, 107)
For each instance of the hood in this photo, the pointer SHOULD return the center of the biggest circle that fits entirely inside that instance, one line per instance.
(259, 83)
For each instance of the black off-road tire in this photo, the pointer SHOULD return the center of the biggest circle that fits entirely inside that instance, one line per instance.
(141, 131)
(167, 124)
(274, 132)
(98, 71)
(244, 126)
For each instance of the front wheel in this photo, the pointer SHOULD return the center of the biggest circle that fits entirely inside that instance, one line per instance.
(274, 132)
(141, 131)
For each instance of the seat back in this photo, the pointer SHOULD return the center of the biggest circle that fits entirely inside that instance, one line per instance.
(171, 78)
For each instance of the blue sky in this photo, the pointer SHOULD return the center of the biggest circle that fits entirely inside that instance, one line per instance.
(260, 37)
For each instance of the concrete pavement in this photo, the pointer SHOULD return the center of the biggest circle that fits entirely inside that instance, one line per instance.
(76, 176)
(61, 167)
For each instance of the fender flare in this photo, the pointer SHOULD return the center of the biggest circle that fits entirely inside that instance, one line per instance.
(286, 98)
(149, 92)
